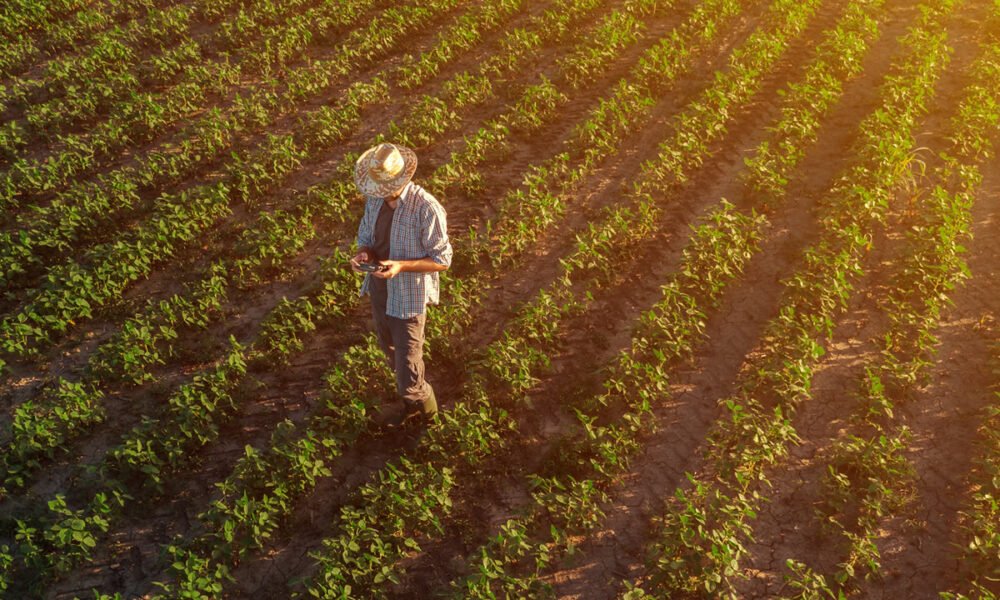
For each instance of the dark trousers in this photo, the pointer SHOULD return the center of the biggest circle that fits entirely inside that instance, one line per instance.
(402, 340)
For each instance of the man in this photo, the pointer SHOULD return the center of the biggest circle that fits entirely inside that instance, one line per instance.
(404, 230)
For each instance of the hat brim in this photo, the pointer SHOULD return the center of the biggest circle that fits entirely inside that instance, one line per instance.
(383, 189)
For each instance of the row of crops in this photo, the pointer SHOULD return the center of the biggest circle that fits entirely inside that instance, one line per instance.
(178, 212)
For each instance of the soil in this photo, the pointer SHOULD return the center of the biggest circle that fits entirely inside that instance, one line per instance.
(918, 546)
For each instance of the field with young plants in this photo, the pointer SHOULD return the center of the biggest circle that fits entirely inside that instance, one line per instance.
(723, 318)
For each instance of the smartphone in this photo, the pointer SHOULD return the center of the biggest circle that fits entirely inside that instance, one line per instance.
(372, 267)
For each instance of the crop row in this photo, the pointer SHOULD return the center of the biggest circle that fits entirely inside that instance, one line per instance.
(148, 114)
(619, 30)
(32, 16)
(211, 134)
(58, 226)
(158, 444)
(72, 290)
(190, 420)
(838, 59)
(239, 522)
(567, 506)
(263, 38)
(869, 477)
(102, 68)
(41, 426)
(112, 72)
(410, 496)
(701, 538)
(240, 517)
(53, 26)
(378, 533)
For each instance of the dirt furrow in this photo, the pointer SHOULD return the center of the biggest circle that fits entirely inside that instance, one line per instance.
(920, 550)
(503, 299)
(593, 341)
(249, 427)
(787, 526)
(71, 352)
(615, 552)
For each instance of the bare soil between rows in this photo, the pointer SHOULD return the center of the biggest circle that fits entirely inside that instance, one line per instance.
(918, 548)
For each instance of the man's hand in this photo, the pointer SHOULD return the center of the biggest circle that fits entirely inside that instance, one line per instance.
(394, 268)
(357, 259)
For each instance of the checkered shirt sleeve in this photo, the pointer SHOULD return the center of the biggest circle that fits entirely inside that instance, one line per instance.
(434, 227)
(366, 229)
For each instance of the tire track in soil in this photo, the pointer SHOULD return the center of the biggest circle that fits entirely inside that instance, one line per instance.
(615, 552)
(260, 413)
(786, 525)
(920, 552)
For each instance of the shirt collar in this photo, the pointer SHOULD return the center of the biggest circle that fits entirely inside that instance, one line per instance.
(405, 194)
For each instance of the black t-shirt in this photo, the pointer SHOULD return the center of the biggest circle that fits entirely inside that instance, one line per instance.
(382, 235)
(383, 232)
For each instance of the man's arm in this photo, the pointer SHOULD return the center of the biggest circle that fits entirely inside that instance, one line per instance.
(435, 239)
(417, 265)
(364, 241)
(423, 265)
(366, 230)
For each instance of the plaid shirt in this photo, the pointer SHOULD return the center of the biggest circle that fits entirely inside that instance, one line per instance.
(419, 230)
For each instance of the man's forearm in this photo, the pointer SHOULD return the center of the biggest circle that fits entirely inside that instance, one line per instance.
(421, 265)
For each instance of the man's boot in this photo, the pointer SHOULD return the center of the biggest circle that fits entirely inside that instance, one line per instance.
(418, 413)
(430, 405)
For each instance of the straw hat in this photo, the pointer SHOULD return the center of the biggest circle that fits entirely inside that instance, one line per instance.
(384, 169)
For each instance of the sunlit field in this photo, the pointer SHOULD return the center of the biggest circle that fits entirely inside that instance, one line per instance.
(722, 321)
